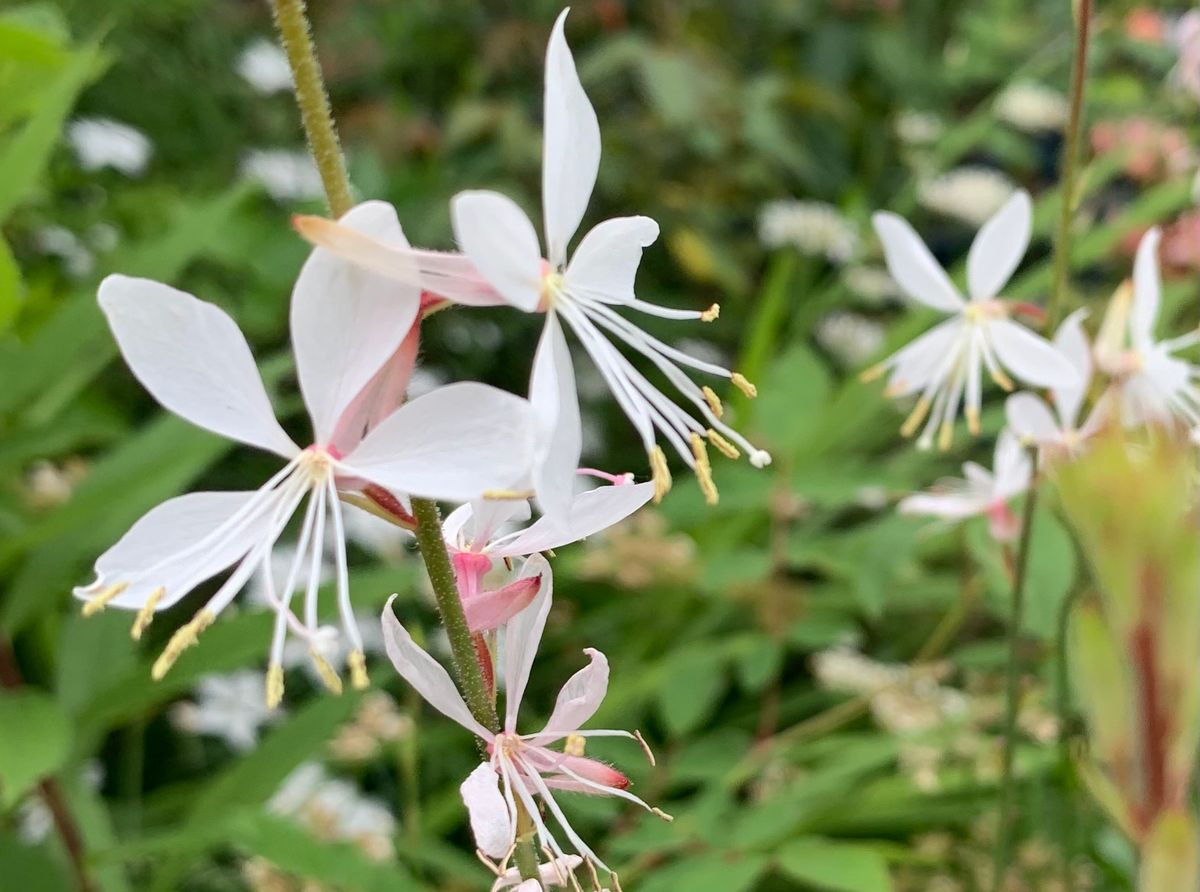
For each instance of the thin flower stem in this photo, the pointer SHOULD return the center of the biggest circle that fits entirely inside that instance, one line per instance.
(1012, 689)
(1067, 822)
(1070, 165)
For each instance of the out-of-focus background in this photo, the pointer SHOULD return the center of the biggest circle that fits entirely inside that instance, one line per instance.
(819, 676)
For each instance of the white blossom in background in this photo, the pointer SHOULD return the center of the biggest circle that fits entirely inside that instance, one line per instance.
(58, 241)
(264, 65)
(1186, 38)
(945, 365)
(917, 128)
(101, 142)
(1032, 107)
(850, 338)
(34, 818)
(969, 194)
(336, 810)
(872, 284)
(813, 228)
(287, 174)
(230, 707)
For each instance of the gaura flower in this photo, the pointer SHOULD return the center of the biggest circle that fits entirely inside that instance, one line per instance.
(945, 365)
(552, 874)
(1151, 385)
(522, 768)
(347, 326)
(982, 492)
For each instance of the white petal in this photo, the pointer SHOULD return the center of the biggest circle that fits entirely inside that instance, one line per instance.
(949, 506)
(193, 359)
(578, 700)
(1147, 290)
(570, 148)
(491, 823)
(553, 873)
(1030, 357)
(425, 674)
(453, 443)
(1030, 418)
(499, 240)
(979, 479)
(592, 511)
(913, 267)
(1012, 466)
(347, 321)
(522, 636)
(917, 364)
(606, 262)
(560, 432)
(1072, 342)
(999, 246)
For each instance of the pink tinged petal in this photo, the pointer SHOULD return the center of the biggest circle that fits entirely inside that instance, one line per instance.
(950, 506)
(193, 359)
(998, 248)
(1012, 466)
(913, 267)
(556, 407)
(1030, 418)
(490, 610)
(578, 700)
(1028, 356)
(426, 675)
(522, 637)
(491, 822)
(381, 396)
(1147, 290)
(605, 264)
(554, 873)
(454, 443)
(499, 240)
(592, 511)
(1072, 342)
(570, 148)
(347, 321)
(589, 769)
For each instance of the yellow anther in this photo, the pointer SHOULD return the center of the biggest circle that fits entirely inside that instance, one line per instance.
(358, 670)
(574, 745)
(97, 603)
(740, 382)
(711, 313)
(507, 495)
(871, 374)
(1003, 380)
(914, 420)
(658, 812)
(722, 445)
(946, 436)
(183, 638)
(146, 614)
(704, 470)
(660, 473)
(973, 422)
(328, 674)
(714, 401)
(274, 685)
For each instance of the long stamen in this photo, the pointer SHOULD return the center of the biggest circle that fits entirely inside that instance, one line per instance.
(98, 602)
(356, 659)
(184, 637)
(714, 401)
(146, 615)
(704, 471)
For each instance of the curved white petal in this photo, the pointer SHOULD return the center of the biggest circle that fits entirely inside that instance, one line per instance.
(999, 246)
(979, 479)
(1012, 466)
(578, 700)
(347, 321)
(1147, 290)
(917, 364)
(949, 506)
(913, 267)
(1030, 357)
(592, 511)
(425, 674)
(453, 443)
(522, 636)
(1072, 342)
(606, 262)
(193, 359)
(491, 822)
(499, 240)
(552, 873)
(570, 148)
(1030, 418)
(560, 432)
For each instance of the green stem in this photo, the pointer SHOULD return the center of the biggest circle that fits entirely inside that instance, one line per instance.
(1012, 688)
(1065, 765)
(1070, 166)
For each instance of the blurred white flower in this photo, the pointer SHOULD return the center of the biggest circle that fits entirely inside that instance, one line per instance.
(264, 66)
(1032, 107)
(34, 820)
(918, 128)
(334, 809)
(871, 283)
(374, 534)
(286, 174)
(1186, 37)
(850, 338)
(969, 194)
(100, 143)
(58, 241)
(231, 707)
(811, 227)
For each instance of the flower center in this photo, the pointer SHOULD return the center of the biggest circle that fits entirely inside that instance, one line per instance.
(985, 310)
(317, 463)
(552, 282)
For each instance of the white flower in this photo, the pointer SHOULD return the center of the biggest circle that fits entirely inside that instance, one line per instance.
(551, 874)
(264, 65)
(918, 128)
(970, 194)
(286, 174)
(100, 143)
(1186, 37)
(981, 492)
(945, 365)
(348, 326)
(521, 767)
(871, 283)
(335, 809)
(231, 707)
(851, 339)
(1032, 107)
(34, 819)
(60, 242)
(811, 227)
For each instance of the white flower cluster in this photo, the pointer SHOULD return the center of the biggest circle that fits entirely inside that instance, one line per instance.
(811, 227)
(968, 194)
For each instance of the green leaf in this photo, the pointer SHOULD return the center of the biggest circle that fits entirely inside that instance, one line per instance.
(693, 681)
(29, 867)
(10, 286)
(94, 654)
(796, 390)
(714, 872)
(835, 866)
(758, 661)
(37, 749)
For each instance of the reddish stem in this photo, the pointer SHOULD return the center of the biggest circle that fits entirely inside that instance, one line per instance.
(1155, 725)
(389, 503)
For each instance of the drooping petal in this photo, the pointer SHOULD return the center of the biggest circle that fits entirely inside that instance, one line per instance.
(578, 700)
(949, 506)
(1072, 342)
(1030, 418)
(1028, 356)
(425, 674)
(570, 148)
(491, 822)
(1012, 466)
(454, 443)
(347, 321)
(488, 610)
(556, 407)
(523, 634)
(498, 238)
(999, 246)
(606, 262)
(1147, 290)
(592, 511)
(193, 359)
(913, 267)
